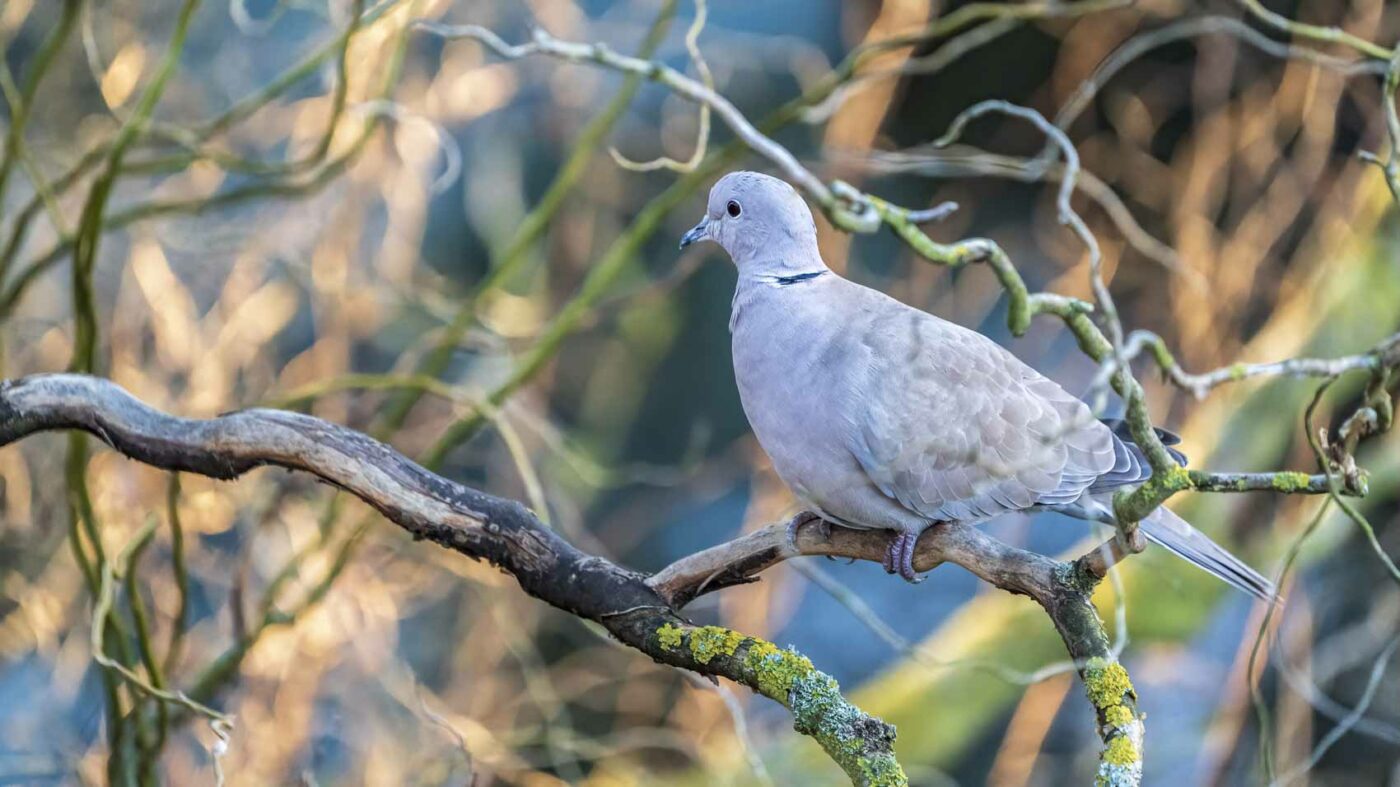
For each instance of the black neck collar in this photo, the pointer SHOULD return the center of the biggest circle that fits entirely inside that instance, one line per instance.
(797, 278)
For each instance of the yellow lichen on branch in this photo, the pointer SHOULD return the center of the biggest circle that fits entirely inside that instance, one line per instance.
(859, 743)
(1111, 692)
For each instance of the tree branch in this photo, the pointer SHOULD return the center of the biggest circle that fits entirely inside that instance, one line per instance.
(855, 211)
(465, 520)
(639, 611)
(1062, 589)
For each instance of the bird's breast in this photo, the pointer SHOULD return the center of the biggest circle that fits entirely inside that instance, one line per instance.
(794, 401)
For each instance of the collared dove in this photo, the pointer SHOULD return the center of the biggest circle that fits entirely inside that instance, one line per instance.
(879, 415)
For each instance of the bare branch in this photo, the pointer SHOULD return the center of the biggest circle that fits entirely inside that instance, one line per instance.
(702, 137)
(1373, 683)
(465, 520)
(1385, 354)
(683, 86)
(1315, 32)
(973, 163)
(1062, 589)
(1390, 166)
(638, 611)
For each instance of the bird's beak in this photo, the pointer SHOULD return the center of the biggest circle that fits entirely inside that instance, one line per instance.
(700, 231)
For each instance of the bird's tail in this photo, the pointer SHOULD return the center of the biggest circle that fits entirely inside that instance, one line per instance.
(1171, 531)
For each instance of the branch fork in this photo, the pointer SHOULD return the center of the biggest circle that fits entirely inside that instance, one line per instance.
(640, 611)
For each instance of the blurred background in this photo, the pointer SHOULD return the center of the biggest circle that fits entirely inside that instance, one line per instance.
(326, 207)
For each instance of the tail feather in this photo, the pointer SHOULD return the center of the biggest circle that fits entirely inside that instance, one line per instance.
(1176, 534)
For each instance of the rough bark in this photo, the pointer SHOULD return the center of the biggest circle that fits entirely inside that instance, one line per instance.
(640, 611)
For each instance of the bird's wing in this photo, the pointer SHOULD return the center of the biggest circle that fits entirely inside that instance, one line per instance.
(956, 428)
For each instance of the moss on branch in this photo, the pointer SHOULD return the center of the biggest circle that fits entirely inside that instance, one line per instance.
(858, 742)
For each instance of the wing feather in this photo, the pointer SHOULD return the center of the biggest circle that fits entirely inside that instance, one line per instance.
(960, 429)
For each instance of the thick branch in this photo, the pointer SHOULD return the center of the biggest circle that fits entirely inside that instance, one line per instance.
(639, 611)
(476, 524)
(739, 561)
(1062, 589)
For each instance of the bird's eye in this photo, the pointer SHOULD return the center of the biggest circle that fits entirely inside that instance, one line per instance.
(733, 209)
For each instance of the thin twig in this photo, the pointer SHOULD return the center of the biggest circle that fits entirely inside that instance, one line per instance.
(1373, 683)
(702, 135)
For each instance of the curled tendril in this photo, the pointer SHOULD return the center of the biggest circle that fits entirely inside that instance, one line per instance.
(451, 151)
(702, 139)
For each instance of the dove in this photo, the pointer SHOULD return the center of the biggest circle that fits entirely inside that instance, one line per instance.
(878, 415)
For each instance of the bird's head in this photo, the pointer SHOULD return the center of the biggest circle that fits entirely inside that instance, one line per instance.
(759, 220)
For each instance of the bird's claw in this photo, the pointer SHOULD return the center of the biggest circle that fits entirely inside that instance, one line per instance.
(899, 557)
(801, 519)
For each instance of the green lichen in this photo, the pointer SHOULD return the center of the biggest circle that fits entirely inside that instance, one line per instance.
(670, 637)
(1175, 477)
(1108, 686)
(1237, 372)
(1120, 751)
(1107, 683)
(882, 771)
(1134, 506)
(1118, 715)
(775, 670)
(898, 220)
(1118, 775)
(1290, 481)
(1162, 355)
(1076, 576)
(817, 705)
(707, 642)
(860, 744)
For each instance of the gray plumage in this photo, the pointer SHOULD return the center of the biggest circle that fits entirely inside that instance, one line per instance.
(879, 415)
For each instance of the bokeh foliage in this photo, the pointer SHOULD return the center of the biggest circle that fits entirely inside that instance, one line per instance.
(224, 205)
